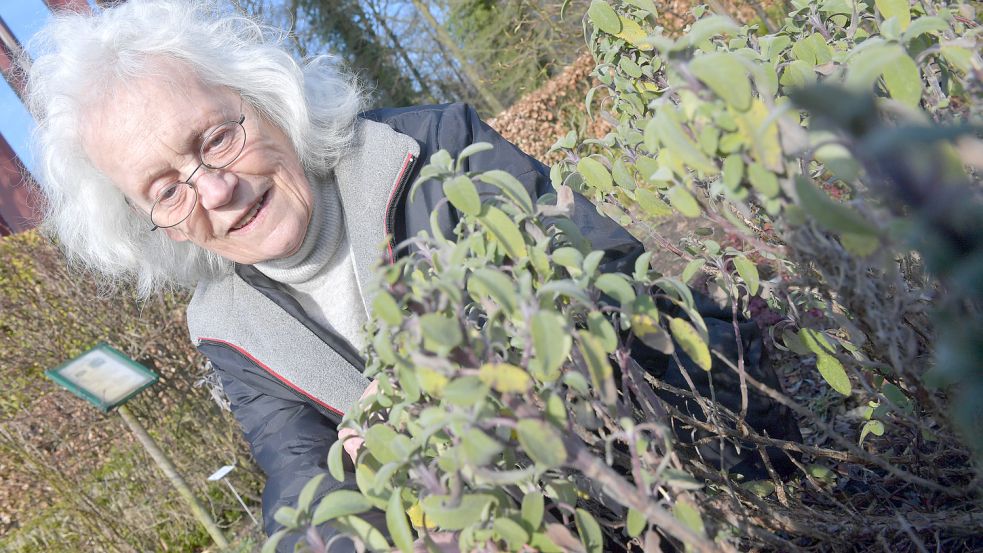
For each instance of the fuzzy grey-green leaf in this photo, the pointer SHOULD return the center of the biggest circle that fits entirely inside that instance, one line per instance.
(552, 343)
(440, 332)
(492, 283)
(533, 509)
(748, 272)
(336, 464)
(595, 174)
(603, 15)
(904, 81)
(830, 214)
(339, 503)
(504, 230)
(463, 195)
(683, 201)
(590, 531)
(541, 442)
(398, 524)
(616, 286)
(306, 496)
(635, 523)
(691, 342)
(726, 76)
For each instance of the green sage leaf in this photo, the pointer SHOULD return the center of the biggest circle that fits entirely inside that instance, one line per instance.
(458, 517)
(895, 8)
(511, 531)
(440, 333)
(691, 342)
(828, 213)
(636, 523)
(397, 523)
(590, 531)
(725, 74)
(339, 503)
(386, 308)
(494, 284)
(505, 378)
(904, 81)
(688, 514)
(604, 17)
(616, 286)
(595, 174)
(683, 201)
(478, 449)
(551, 341)
(533, 507)
(598, 365)
(541, 442)
(833, 373)
(306, 496)
(504, 231)
(763, 180)
(463, 195)
(748, 272)
(336, 462)
(651, 203)
(510, 187)
(379, 439)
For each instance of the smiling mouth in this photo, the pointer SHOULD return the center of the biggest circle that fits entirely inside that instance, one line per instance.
(252, 214)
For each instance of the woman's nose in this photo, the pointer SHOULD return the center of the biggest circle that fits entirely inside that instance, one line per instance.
(216, 187)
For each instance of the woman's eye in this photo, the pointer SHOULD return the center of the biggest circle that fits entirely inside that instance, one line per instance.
(169, 195)
(216, 142)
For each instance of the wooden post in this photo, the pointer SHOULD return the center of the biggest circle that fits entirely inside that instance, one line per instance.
(167, 467)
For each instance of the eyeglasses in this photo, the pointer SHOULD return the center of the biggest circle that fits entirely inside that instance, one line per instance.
(219, 148)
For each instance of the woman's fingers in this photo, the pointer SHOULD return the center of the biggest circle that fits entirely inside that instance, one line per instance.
(353, 443)
(445, 542)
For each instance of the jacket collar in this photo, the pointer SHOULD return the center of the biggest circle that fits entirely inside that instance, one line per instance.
(370, 180)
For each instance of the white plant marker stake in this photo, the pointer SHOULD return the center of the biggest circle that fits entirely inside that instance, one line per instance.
(220, 474)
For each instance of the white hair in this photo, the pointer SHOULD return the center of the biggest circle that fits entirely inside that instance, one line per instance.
(83, 58)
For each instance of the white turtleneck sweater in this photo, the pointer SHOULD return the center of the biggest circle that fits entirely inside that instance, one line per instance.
(321, 274)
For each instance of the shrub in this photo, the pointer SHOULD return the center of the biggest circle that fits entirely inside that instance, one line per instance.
(71, 478)
(824, 171)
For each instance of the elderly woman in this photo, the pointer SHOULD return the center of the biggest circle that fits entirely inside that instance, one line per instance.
(181, 145)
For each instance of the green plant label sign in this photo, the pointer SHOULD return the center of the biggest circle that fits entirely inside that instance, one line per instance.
(103, 376)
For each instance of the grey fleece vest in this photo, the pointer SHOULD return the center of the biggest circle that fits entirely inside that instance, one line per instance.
(229, 311)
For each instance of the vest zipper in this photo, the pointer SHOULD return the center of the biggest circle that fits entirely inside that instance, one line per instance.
(390, 216)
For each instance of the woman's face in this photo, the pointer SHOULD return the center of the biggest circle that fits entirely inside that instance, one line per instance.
(148, 136)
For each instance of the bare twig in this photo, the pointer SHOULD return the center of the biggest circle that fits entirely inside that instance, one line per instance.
(624, 493)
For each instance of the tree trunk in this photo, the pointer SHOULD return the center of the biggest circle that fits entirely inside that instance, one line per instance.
(424, 84)
(448, 42)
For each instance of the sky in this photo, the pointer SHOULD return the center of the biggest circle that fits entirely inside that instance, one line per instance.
(24, 17)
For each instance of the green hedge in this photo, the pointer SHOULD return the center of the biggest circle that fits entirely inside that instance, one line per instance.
(90, 486)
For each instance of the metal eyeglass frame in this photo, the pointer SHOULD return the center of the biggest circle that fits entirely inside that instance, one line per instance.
(187, 181)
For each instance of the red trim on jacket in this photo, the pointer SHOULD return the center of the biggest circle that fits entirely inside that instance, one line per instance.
(274, 373)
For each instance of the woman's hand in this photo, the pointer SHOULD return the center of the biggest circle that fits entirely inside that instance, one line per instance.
(445, 542)
(353, 444)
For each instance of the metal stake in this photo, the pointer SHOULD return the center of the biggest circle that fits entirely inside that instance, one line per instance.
(241, 502)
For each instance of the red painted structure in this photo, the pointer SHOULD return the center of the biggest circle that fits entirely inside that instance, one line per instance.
(80, 6)
(18, 207)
